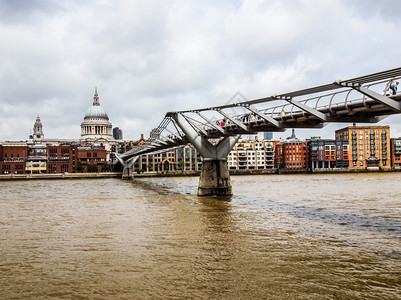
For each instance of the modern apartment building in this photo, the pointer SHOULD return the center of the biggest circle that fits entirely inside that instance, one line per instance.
(184, 158)
(369, 146)
(117, 133)
(252, 155)
(327, 154)
(396, 153)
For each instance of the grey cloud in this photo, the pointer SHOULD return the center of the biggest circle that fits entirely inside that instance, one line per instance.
(150, 57)
(27, 11)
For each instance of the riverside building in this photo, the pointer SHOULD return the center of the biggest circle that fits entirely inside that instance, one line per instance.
(325, 154)
(369, 146)
(291, 155)
(396, 153)
(252, 155)
(184, 158)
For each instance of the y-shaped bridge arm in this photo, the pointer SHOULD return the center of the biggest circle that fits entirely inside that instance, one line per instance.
(128, 163)
(201, 143)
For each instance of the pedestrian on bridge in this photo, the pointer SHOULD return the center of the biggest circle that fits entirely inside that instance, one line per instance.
(391, 85)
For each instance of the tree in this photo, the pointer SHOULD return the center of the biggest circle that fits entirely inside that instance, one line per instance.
(182, 164)
(78, 166)
(92, 168)
(105, 167)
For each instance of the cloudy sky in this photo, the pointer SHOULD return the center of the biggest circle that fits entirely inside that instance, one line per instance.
(150, 57)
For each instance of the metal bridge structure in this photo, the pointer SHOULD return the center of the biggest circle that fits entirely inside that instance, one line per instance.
(213, 131)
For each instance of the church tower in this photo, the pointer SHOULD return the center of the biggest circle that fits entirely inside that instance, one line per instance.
(38, 130)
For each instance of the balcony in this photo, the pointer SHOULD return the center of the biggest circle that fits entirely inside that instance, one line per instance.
(64, 158)
(37, 158)
(15, 159)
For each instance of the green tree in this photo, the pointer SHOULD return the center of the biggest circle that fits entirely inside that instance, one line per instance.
(78, 166)
(92, 168)
(105, 167)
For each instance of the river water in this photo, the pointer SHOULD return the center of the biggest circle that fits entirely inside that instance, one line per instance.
(279, 237)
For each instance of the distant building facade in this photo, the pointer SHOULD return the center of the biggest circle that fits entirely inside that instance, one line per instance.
(369, 146)
(252, 155)
(117, 133)
(91, 157)
(291, 155)
(267, 136)
(327, 154)
(184, 158)
(395, 145)
(13, 158)
(59, 158)
(31, 158)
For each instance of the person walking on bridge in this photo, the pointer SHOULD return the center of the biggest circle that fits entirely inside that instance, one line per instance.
(392, 85)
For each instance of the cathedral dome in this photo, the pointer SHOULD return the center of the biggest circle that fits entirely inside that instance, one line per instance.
(96, 123)
(96, 112)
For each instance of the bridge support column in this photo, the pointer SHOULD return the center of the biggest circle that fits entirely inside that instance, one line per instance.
(127, 165)
(215, 178)
(127, 173)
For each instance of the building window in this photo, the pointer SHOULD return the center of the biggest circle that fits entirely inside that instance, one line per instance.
(53, 152)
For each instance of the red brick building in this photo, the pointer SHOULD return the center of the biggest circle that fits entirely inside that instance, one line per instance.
(291, 155)
(13, 158)
(59, 159)
(24, 158)
(90, 156)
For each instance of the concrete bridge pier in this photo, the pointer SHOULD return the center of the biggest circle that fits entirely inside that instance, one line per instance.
(214, 178)
(127, 173)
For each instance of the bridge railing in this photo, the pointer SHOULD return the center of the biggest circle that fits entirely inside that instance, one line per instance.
(324, 102)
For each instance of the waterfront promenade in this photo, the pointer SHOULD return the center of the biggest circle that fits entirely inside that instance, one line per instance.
(61, 176)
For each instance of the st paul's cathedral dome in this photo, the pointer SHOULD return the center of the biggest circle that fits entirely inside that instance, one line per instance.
(96, 123)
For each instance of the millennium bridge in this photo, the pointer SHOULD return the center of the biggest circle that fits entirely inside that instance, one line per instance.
(213, 131)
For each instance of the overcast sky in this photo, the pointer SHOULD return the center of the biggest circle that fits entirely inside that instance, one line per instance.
(150, 57)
